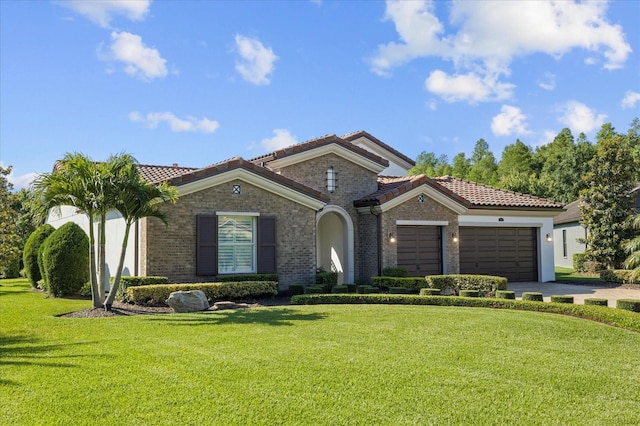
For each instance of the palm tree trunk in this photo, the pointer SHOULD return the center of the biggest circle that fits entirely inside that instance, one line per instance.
(95, 292)
(102, 254)
(116, 281)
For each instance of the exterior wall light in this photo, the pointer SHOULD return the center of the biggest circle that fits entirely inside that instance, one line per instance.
(392, 238)
(549, 238)
(454, 237)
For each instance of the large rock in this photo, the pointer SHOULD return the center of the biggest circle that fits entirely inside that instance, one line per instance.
(188, 301)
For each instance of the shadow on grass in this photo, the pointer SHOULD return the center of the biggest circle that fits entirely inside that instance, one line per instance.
(29, 350)
(274, 317)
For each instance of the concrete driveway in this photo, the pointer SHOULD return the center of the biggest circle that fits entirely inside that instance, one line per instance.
(579, 292)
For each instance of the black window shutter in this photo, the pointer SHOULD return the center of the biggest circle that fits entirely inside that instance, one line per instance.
(266, 245)
(206, 244)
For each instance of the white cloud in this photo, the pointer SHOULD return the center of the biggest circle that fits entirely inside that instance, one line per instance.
(483, 37)
(432, 104)
(547, 137)
(256, 61)
(102, 12)
(20, 182)
(580, 118)
(548, 81)
(630, 99)
(188, 124)
(470, 87)
(139, 60)
(282, 138)
(510, 121)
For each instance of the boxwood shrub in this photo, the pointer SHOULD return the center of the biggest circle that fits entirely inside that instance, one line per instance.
(314, 289)
(413, 284)
(340, 289)
(469, 293)
(30, 252)
(296, 289)
(505, 294)
(395, 271)
(430, 292)
(622, 276)
(561, 299)
(398, 290)
(532, 296)
(632, 305)
(367, 289)
(155, 295)
(132, 281)
(596, 301)
(487, 285)
(65, 257)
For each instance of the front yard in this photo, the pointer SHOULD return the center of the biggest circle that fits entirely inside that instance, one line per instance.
(322, 364)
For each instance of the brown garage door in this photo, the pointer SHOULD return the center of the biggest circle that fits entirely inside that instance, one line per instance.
(420, 249)
(507, 252)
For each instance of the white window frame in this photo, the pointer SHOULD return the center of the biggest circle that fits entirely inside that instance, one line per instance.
(222, 216)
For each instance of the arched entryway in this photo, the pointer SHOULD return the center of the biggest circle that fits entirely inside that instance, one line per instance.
(334, 242)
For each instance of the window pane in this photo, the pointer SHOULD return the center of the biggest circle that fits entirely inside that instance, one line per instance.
(236, 239)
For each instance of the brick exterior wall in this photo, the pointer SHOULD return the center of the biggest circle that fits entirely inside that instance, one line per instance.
(414, 210)
(368, 248)
(352, 182)
(171, 251)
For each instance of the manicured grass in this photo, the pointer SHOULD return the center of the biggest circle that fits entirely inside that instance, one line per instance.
(318, 364)
(568, 274)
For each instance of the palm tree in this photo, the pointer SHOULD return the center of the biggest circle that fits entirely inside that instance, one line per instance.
(633, 248)
(73, 183)
(137, 199)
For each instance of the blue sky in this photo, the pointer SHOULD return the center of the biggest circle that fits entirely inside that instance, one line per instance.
(197, 82)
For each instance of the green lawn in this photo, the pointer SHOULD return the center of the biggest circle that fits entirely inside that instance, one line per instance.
(568, 274)
(320, 364)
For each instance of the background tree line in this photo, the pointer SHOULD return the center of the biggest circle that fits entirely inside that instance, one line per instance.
(554, 171)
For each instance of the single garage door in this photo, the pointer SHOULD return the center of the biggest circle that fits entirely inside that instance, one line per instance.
(507, 252)
(420, 249)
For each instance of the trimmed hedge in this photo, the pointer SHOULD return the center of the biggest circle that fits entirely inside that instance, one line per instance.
(398, 290)
(562, 299)
(487, 285)
(413, 284)
(65, 259)
(596, 301)
(326, 279)
(622, 276)
(155, 295)
(632, 305)
(505, 294)
(134, 281)
(532, 296)
(617, 317)
(469, 293)
(340, 289)
(314, 289)
(430, 292)
(296, 289)
(395, 271)
(30, 252)
(367, 289)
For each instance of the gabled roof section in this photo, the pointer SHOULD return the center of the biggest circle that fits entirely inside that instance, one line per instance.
(157, 174)
(193, 180)
(482, 196)
(572, 214)
(313, 148)
(351, 137)
(453, 192)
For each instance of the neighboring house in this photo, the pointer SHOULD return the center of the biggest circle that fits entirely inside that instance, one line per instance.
(567, 230)
(327, 203)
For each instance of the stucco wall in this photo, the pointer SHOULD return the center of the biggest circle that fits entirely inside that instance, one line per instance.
(171, 251)
(574, 231)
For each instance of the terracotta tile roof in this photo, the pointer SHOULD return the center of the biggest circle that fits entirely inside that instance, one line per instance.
(157, 174)
(317, 143)
(192, 175)
(479, 195)
(361, 133)
(469, 194)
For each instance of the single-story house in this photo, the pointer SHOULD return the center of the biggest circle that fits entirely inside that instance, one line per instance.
(332, 203)
(567, 231)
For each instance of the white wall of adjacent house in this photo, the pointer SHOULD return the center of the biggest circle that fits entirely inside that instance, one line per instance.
(546, 268)
(565, 241)
(114, 233)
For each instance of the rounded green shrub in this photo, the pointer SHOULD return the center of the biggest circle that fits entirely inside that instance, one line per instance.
(30, 252)
(505, 294)
(351, 288)
(398, 290)
(430, 292)
(340, 289)
(532, 296)
(596, 301)
(314, 289)
(65, 258)
(469, 293)
(561, 299)
(632, 305)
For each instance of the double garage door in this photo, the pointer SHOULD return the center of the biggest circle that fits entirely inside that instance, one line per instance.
(507, 252)
(504, 251)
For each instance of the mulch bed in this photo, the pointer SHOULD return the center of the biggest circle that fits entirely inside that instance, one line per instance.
(126, 309)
